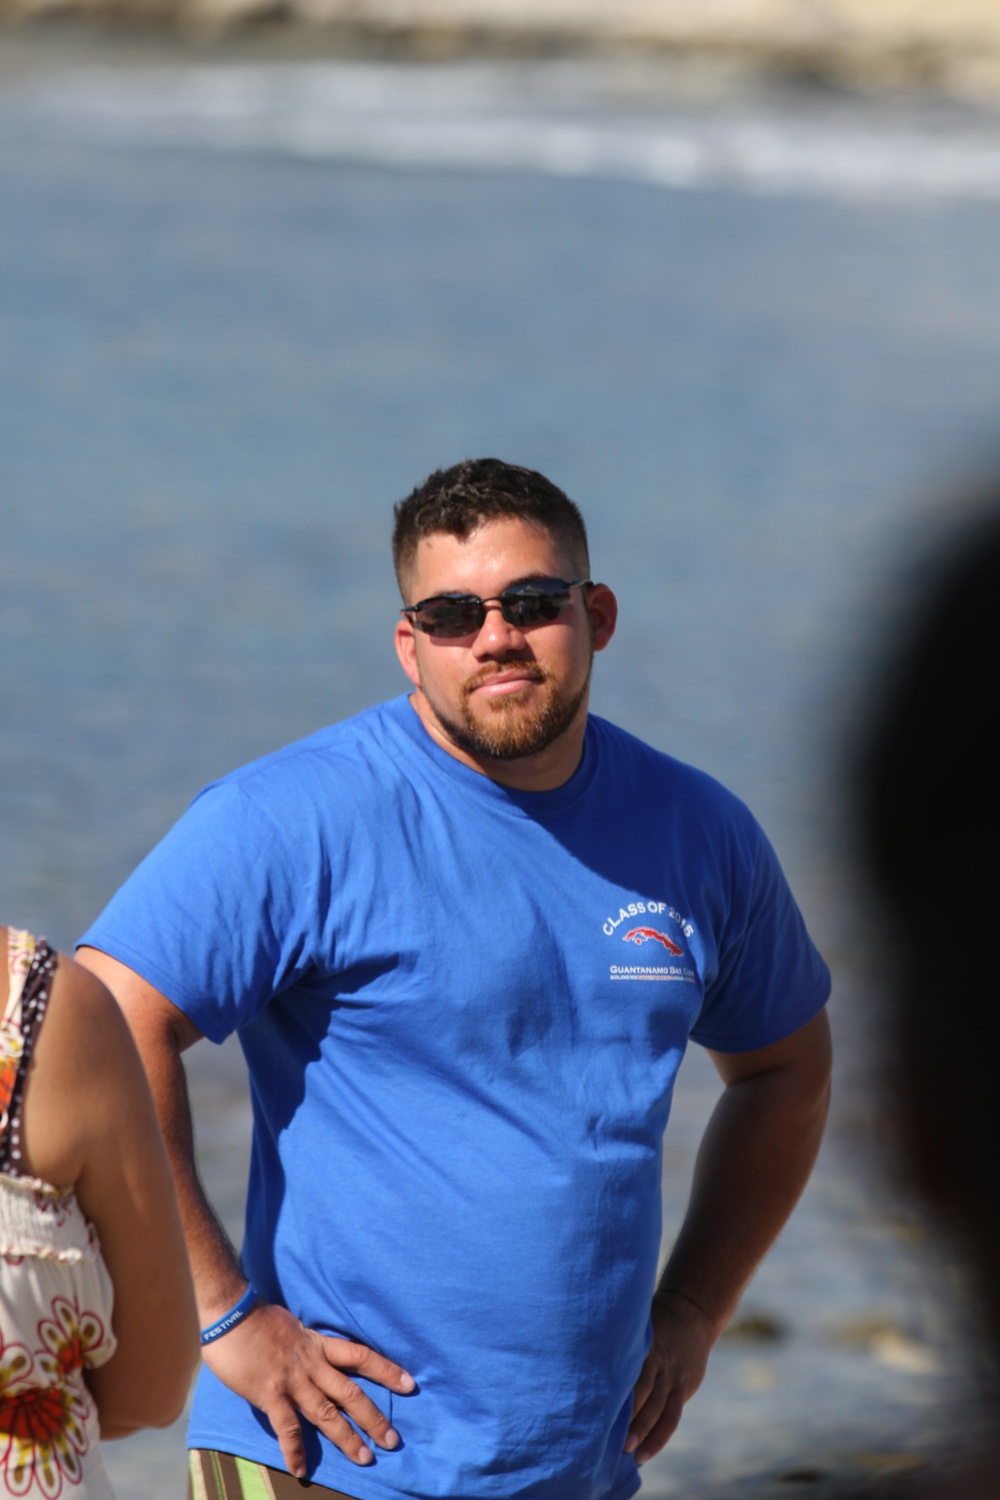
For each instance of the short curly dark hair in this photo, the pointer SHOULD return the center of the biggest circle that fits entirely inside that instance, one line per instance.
(459, 499)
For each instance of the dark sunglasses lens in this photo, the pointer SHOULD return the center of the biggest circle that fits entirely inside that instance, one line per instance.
(534, 606)
(463, 614)
(450, 617)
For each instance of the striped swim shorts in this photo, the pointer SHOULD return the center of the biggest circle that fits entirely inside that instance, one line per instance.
(223, 1476)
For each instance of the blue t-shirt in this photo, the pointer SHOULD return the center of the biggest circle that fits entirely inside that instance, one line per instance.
(463, 1009)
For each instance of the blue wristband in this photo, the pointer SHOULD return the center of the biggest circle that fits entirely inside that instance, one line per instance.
(243, 1309)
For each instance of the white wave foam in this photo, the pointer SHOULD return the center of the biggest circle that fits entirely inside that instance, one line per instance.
(545, 118)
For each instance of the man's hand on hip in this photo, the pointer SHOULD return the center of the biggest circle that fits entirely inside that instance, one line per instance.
(671, 1373)
(755, 1157)
(286, 1370)
(269, 1358)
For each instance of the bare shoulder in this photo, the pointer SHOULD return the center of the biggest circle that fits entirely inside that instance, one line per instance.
(89, 1123)
(85, 1079)
(85, 1034)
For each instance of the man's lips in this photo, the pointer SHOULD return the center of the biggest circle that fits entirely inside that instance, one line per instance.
(508, 680)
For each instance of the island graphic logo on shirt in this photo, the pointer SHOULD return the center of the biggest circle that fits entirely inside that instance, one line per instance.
(641, 935)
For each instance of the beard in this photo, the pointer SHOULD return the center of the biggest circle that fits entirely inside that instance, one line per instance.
(505, 729)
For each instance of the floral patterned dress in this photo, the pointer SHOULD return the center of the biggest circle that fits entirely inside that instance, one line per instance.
(55, 1291)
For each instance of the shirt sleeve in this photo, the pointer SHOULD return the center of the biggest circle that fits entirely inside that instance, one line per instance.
(770, 980)
(213, 917)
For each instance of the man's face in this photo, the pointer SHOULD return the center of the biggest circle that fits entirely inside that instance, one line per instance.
(502, 693)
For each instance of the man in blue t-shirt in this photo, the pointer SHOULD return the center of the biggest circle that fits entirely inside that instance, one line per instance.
(464, 939)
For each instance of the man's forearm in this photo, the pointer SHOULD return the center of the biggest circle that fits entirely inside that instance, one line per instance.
(161, 1033)
(754, 1161)
(218, 1278)
(755, 1158)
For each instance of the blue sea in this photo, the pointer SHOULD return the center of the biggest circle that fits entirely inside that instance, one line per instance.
(247, 302)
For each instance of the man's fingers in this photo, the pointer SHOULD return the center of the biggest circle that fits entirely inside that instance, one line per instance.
(662, 1430)
(329, 1418)
(645, 1417)
(671, 1373)
(643, 1386)
(325, 1415)
(337, 1394)
(344, 1354)
(289, 1434)
(285, 1369)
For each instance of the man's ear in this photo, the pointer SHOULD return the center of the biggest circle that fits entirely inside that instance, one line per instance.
(406, 649)
(603, 609)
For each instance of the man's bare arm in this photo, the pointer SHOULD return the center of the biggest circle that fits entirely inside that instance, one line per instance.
(278, 1365)
(755, 1158)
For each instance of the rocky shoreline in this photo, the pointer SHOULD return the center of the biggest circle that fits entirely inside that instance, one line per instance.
(876, 44)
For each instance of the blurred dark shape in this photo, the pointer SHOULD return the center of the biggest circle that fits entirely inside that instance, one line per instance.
(756, 1328)
(929, 803)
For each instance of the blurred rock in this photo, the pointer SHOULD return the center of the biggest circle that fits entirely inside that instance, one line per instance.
(756, 1328)
(953, 46)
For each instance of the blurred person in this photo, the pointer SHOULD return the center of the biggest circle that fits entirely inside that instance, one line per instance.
(98, 1328)
(426, 925)
(930, 824)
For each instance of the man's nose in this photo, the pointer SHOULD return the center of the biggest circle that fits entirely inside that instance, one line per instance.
(497, 635)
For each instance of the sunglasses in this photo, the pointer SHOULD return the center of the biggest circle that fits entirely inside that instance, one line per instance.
(536, 602)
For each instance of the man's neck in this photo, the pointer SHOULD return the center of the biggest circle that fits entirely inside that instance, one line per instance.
(546, 771)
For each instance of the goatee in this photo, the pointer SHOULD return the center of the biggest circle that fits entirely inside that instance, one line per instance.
(506, 730)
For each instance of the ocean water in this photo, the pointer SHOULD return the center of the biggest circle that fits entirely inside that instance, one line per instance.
(246, 304)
